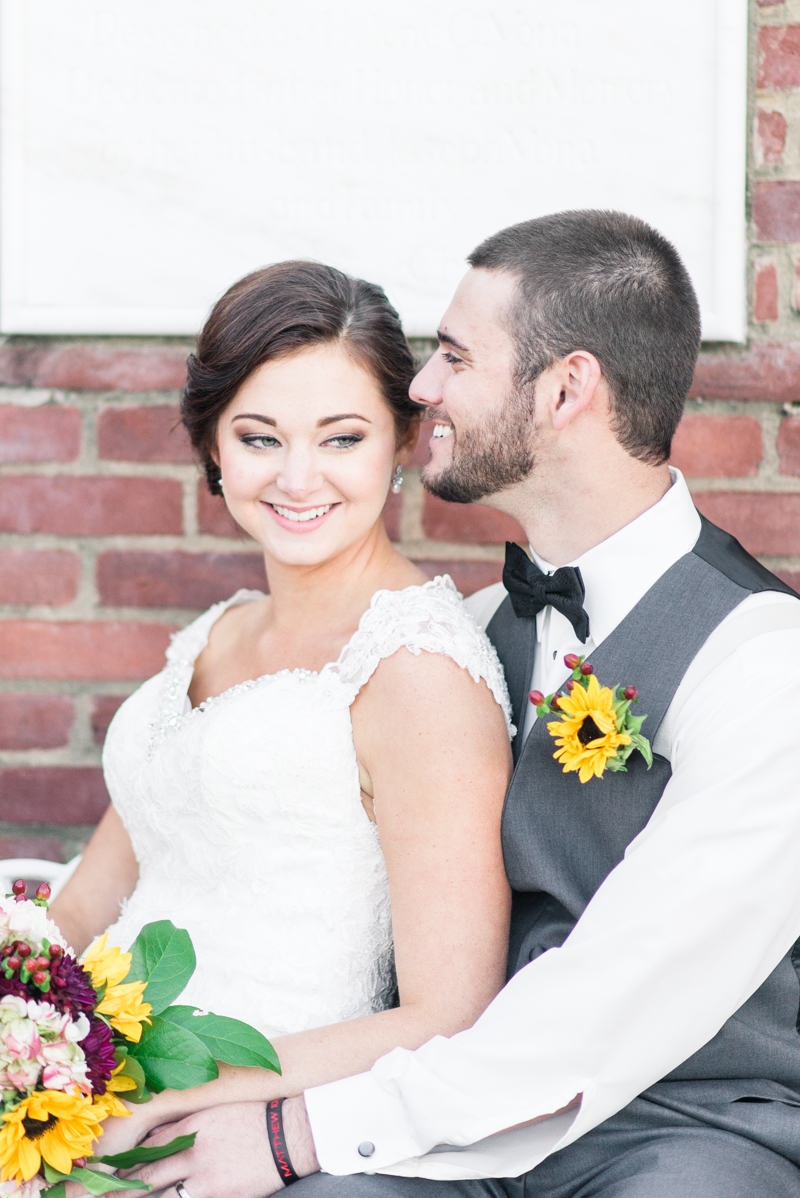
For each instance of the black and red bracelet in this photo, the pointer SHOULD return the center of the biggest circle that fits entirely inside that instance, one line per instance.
(277, 1142)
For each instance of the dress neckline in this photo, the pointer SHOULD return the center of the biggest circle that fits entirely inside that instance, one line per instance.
(440, 582)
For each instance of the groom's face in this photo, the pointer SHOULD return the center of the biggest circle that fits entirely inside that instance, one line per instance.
(482, 440)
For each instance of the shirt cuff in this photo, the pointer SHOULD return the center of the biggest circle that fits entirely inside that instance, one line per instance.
(359, 1113)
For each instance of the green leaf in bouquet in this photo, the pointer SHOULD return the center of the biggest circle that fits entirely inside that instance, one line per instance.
(92, 1181)
(144, 1156)
(172, 1058)
(132, 1069)
(163, 956)
(227, 1040)
(57, 1191)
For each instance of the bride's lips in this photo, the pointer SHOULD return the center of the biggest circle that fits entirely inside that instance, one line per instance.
(300, 520)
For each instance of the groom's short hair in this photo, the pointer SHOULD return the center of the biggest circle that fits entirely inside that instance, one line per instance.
(610, 284)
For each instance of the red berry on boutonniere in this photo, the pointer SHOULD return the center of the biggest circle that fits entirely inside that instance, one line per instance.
(587, 669)
(536, 698)
(572, 660)
(630, 693)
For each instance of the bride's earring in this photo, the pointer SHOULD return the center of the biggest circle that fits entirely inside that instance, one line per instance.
(397, 479)
(219, 484)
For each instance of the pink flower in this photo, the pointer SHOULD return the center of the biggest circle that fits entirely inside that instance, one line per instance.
(64, 1065)
(28, 1189)
(23, 1075)
(21, 1039)
(12, 1007)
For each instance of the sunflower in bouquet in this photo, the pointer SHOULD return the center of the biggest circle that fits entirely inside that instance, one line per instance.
(75, 1036)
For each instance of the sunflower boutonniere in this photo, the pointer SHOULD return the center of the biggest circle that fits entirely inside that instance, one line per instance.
(597, 730)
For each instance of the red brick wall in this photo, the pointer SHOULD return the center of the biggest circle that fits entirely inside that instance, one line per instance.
(108, 542)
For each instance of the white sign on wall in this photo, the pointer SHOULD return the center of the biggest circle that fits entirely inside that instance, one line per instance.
(152, 152)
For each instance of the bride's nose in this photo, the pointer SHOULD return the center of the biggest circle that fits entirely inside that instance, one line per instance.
(299, 475)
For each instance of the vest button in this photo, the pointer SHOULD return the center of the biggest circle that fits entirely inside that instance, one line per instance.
(366, 1149)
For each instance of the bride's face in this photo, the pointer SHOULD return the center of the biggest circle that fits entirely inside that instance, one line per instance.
(307, 448)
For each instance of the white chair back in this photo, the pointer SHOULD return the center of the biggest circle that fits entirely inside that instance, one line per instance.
(36, 868)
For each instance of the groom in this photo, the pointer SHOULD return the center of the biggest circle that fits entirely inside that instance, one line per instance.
(646, 1045)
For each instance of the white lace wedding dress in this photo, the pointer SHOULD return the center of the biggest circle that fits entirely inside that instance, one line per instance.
(245, 815)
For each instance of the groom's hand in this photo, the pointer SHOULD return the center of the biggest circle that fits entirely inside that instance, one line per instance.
(231, 1154)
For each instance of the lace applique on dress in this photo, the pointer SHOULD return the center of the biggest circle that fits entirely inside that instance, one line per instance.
(431, 617)
(183, 651)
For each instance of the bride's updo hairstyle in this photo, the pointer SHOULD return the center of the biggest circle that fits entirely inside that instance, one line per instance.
(278, 311)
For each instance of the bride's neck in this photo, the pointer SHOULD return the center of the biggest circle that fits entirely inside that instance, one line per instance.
(336, 591)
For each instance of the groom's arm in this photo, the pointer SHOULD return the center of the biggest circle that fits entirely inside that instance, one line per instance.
(681, 933)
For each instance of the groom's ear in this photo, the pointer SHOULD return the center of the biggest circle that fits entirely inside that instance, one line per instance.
(575, 385)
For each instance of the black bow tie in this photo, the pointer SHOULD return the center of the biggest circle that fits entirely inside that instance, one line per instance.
(530, 589)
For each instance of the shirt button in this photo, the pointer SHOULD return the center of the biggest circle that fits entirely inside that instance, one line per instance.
(366, 1149)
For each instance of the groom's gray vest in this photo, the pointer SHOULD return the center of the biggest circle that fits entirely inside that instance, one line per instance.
(561, 838)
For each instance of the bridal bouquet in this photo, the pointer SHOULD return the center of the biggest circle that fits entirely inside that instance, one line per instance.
(75, 1035)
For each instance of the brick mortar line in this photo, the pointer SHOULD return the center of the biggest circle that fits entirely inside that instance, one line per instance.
(98, 614)
(785, 484)
(70, 687)
(104, 468)
(15, 758)
(81, 740)
(134, 542)
(778, 14)
(411, 513)
(20, 397)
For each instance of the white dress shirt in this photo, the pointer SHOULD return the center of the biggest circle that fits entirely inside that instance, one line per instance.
(703, 907)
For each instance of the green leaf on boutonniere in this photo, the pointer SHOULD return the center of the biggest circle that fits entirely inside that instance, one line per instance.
(227, 1040)
(145, 1156)
(163, 956)
(172, 1058)
(643, 745)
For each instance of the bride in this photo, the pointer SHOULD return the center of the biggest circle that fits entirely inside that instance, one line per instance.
(308, 755)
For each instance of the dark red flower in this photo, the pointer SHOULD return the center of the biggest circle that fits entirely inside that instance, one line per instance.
(98, 1048)
(70, 986)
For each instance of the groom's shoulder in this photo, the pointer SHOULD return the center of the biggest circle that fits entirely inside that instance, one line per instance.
(483, 604)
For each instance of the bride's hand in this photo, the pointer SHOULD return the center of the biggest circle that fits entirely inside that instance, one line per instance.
(123, 1132)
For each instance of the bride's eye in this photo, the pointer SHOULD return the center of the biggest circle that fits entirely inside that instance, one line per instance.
(450, 357)
(343, 440)
(260, 440)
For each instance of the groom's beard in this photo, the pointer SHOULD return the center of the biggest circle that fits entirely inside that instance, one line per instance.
(490, 458)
